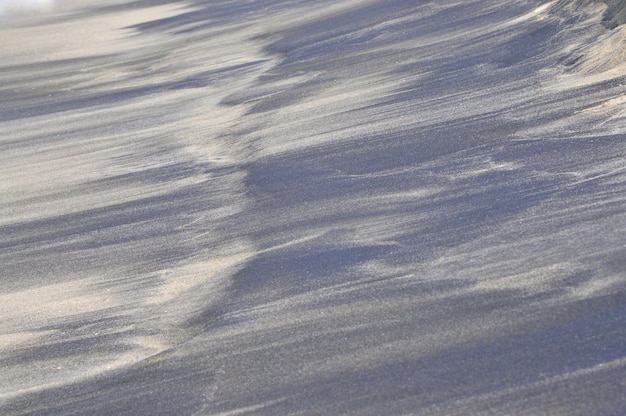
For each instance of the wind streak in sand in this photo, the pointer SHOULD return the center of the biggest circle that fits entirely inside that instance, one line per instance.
(354, 207)
(114, 188)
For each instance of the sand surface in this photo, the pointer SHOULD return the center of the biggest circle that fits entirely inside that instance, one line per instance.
(353, 207)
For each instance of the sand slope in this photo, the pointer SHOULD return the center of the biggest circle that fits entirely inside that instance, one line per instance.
(330, 207)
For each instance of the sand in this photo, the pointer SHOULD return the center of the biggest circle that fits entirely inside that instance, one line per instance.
(347, 207)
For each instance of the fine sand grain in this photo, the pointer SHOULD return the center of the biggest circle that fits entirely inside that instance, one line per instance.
(352, 207)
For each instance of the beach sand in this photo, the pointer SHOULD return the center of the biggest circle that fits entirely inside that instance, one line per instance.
(331, 207)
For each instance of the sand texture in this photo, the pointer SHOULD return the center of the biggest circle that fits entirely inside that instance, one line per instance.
(355, 207)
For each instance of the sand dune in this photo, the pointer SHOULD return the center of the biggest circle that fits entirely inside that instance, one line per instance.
(329, 207)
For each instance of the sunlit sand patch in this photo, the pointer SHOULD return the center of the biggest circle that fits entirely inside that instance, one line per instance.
(607, 105)
(609, 116)
(600, 61)
(540, 12)
(78, 163)
(538, 279)
(48, 175)
(182, 280)
(40, 375)
(156, 320)
(22, 6)
(54, 205)
(15, 340)
(111, 34)
(83, 37)
(470, 169)
(26, 316)
(401, 196)
(48, 303)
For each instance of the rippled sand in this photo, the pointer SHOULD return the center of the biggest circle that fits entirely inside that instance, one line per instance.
(328, 207)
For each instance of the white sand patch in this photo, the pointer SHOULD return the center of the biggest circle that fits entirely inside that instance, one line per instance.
(47, 303)
(25, 5)
(540, 12)
(608, 104)
(180, 281)
(601, 60)
(402, 196)
(84, 37)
